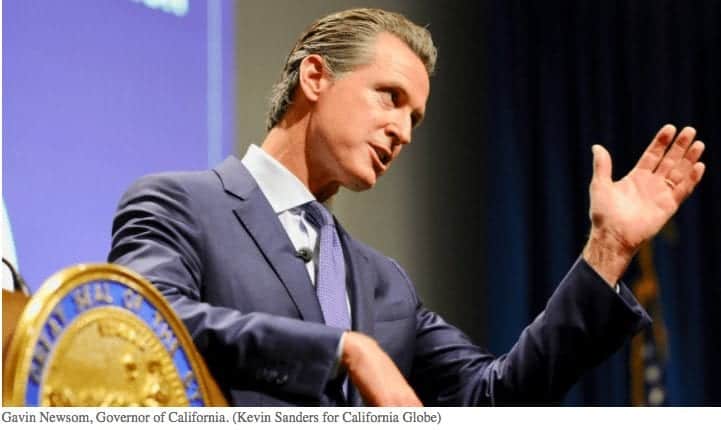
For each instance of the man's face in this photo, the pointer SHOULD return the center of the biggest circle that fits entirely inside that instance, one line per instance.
(363, 118)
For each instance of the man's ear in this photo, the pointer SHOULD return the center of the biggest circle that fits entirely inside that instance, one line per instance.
(313, 77)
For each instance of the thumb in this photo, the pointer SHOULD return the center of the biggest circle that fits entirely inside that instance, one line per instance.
(601, 164)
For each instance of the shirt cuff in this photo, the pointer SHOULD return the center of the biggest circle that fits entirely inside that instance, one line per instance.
(338, 355)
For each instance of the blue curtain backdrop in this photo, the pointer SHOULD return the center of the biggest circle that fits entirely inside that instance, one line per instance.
(562, 77)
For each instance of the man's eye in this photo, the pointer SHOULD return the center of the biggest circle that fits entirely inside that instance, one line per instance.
(390, 97)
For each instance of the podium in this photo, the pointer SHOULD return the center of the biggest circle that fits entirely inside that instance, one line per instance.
(100, 335)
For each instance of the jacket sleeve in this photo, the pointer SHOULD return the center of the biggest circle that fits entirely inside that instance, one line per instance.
(583, 323)
(156, 234)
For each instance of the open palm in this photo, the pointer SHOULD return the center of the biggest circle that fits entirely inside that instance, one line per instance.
(635, 208)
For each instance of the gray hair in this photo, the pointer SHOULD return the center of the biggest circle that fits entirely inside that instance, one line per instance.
(344, 40)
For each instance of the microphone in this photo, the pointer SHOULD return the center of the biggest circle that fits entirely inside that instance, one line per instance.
(18, 281)
(304, 254)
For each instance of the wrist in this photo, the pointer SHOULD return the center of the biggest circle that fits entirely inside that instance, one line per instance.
(350, 349)
(607, 255)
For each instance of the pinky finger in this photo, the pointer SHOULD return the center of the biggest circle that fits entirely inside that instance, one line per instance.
(697, 172)
(685, 189)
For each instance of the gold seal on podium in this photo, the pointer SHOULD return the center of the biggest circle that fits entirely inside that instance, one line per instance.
(100, 335)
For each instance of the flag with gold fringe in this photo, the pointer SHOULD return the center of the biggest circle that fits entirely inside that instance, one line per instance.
(649, 348)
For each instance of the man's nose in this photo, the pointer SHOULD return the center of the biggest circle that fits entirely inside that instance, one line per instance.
(400, 130)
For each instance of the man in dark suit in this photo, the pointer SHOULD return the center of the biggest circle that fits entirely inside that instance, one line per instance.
(288, 309)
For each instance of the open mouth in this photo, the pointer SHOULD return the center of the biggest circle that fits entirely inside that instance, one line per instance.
(383, 157)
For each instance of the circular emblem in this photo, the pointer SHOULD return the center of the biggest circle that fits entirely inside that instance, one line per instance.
(100, 335)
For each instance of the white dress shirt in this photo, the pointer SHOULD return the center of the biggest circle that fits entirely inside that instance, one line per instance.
(285, 193)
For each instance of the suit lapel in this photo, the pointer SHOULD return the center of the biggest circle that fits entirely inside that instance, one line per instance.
(262, 224)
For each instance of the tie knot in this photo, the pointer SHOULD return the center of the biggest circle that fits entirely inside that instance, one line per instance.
(318, 215)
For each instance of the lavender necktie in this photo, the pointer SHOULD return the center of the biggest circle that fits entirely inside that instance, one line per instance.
(330, 277)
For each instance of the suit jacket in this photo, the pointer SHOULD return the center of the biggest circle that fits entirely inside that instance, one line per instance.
(212, 244)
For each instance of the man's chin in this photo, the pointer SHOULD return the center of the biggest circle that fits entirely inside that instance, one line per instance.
(362, 184)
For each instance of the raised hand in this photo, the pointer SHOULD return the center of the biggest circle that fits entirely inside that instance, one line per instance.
(628, 212)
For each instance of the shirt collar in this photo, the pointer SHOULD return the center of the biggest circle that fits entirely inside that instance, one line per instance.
(281, 187)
